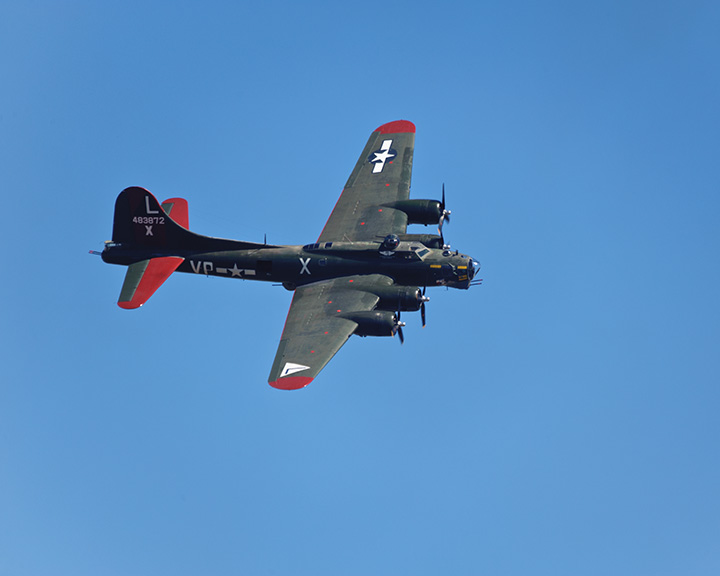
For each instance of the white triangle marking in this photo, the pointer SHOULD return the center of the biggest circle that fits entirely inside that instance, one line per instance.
(291, 368)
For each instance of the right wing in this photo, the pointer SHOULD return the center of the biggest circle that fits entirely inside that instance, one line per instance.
(315, 330)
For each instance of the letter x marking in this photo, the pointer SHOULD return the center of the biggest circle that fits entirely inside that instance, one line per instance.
(148, 230)
(304, 263)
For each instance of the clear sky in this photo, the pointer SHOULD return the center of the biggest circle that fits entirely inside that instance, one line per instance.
(561, 419)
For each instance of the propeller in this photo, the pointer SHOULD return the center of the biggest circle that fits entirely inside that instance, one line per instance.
(423, 299)
(445, 214)
(398, 328)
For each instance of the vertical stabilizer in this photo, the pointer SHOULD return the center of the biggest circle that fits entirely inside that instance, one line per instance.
(141, 222)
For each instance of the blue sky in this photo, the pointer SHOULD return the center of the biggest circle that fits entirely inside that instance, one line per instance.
(560, 419)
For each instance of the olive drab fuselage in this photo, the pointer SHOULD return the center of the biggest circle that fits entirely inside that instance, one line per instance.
(410, 264)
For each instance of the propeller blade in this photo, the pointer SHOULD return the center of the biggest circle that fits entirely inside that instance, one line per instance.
(423, 299)
(398, 328)
(444, 215)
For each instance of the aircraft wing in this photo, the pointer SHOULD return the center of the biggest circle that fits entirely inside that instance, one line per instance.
(382, 174)
(315, 330)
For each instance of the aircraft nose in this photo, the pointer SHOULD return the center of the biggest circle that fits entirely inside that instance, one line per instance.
(473, 268)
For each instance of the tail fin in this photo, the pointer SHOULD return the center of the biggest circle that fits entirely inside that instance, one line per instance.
(153, 244)
(141, 222)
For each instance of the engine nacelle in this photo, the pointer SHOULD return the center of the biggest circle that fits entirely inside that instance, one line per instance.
(373, 323)
(403, 298)
(419, 211)
(429, 240)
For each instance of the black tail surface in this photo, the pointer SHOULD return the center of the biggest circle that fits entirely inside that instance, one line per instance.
(141, 222)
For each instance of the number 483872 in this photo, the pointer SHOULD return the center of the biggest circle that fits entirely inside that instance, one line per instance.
(149, 219)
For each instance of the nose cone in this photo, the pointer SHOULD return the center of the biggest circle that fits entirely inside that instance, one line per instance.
(473, 268)
(456, 271)
(470, 267)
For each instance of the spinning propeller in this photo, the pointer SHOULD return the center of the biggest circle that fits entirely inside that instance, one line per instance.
(397, 329)
(444, 215)
(423, 299)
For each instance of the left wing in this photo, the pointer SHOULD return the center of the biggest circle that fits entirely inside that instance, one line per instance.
(381, 175)
(315, 329)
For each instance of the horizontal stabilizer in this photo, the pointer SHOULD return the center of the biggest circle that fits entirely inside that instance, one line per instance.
(177, 209)
(144, 278)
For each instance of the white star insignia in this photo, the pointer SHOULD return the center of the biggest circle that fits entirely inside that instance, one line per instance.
(383, 155)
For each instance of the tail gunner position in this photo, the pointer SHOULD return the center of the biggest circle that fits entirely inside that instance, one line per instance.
(356, 279)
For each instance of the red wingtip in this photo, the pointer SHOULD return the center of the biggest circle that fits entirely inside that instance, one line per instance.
(291, 382)
(397, 127)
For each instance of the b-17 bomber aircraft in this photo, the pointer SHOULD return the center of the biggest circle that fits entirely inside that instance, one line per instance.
(363, 271)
